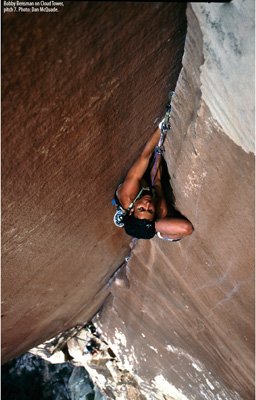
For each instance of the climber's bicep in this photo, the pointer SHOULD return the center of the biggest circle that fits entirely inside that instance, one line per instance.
(127, 191)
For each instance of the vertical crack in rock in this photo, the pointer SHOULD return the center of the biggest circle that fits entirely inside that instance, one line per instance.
(185, 324)
(178, 322)
(119, 277)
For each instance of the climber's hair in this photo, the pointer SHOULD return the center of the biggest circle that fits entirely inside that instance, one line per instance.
(139, 228)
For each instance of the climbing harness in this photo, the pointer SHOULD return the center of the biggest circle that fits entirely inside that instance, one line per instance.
(164, 126)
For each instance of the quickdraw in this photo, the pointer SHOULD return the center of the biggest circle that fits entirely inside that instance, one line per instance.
(164, 126)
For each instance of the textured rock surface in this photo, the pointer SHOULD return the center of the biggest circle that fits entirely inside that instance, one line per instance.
(181, 315)
(82, 91)
(229, 60)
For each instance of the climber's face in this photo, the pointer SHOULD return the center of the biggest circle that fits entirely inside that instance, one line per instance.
(144, 208)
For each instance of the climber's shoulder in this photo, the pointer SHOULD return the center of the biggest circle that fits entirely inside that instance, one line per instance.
(127, 191)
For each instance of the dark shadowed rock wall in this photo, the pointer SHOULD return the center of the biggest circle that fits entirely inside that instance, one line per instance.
(82, 90)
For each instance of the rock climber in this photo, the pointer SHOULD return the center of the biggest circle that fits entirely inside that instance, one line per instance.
(143, 204)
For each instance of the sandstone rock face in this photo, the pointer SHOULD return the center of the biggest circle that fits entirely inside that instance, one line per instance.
(229, 59)
(82, 91)
(181, 315)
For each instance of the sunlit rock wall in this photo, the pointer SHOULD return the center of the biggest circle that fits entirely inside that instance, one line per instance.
(82, 90)
(181, 315)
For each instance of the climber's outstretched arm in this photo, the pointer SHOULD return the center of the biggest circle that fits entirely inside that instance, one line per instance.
(139, 167)
(131, 185)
